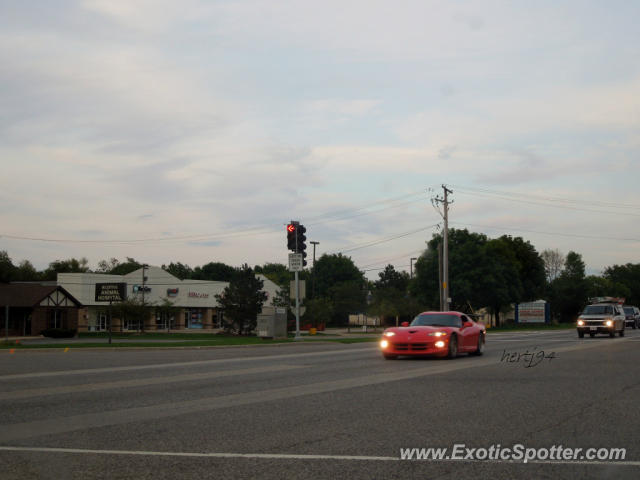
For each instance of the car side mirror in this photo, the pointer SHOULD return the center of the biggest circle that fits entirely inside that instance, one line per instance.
(404, 324)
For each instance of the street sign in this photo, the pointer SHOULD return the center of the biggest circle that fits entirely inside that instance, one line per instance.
(292, 290)
(295, 262)
(111, 292)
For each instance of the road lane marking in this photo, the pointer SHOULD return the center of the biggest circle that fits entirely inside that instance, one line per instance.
(55, 426)
(89, 371)
(293, 456)
(140, 382)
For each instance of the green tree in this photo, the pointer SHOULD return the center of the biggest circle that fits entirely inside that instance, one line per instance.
(553, 263)
(568, 293)
(501, 285)
(598, 286)
(71, 265)
(106, 266)
(276, 272)
(338, 279)
(529, 265)
(179, 270)
(7, 268)
(318, 311)
(26, 272)
(389, 295)
(241, 301)
(124, 268)
(468, 268)
(625, 276)
(347, 298)
(214, 271)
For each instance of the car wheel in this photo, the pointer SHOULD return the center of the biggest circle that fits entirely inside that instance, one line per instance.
(390, 357)
(633, 325)
(480, 349)
(592, 335)
(612, 333)
(621, 332)
(581, 334)
(453, 347)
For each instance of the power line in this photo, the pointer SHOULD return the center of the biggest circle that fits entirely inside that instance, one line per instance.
(382, 268)
(394, 258)
(369, 205)
(384, 240)
(258, 230)
(573, 235)
(511, 198)
(548, 198)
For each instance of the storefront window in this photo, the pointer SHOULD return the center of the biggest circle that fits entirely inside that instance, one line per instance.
(193, 318)
(164, 321)
(131, 324)
(103, 322)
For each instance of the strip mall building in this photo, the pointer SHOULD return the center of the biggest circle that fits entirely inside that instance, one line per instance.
(194, 301)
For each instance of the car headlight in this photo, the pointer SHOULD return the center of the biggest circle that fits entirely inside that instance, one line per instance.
(437, 334)
(389, 334)
(439, 344)
(581, 322)
(384, 344)
(609, 323)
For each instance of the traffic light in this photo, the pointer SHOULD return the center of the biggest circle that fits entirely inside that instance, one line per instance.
(291, 237)
(302, 243)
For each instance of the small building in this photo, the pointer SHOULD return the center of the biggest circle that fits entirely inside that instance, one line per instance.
(193, 302)
(33, 307)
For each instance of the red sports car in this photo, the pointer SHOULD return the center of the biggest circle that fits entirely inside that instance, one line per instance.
(434, 333)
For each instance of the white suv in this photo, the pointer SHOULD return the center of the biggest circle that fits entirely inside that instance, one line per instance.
(601, 318)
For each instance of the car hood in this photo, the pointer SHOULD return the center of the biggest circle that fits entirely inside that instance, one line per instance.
(417, 332)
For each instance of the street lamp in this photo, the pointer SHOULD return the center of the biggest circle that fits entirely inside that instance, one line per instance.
(411, 262)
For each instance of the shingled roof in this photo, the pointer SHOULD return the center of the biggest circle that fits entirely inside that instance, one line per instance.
(29, 294)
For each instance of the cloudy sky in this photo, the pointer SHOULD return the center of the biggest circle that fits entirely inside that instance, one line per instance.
(193, 131)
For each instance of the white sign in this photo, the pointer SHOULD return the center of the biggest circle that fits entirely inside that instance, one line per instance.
(292, 289)
(295, 262)
(532, 312)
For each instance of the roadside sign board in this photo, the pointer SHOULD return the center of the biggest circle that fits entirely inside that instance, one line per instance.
(532, 312)
(292, 289)
(295, 262)
(111, 292)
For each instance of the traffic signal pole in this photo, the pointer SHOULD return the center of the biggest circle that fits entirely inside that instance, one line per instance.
(295, 243)
(297, 279)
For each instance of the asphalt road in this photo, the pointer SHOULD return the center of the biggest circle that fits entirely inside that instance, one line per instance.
(317, 410)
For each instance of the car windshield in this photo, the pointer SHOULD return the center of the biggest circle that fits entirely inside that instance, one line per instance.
(436, 319)
(629, 310)
(598, 310)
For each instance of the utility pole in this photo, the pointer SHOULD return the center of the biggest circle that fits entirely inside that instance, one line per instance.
(144, 287)
(313, 278)
(314, 251)
(440, 276)
(444, 200)
(411, 266)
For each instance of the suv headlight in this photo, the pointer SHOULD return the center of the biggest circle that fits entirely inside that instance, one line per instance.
(581, 322)
(609, 323)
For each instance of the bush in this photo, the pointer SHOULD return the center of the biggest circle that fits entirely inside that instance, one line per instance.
(59, 332)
